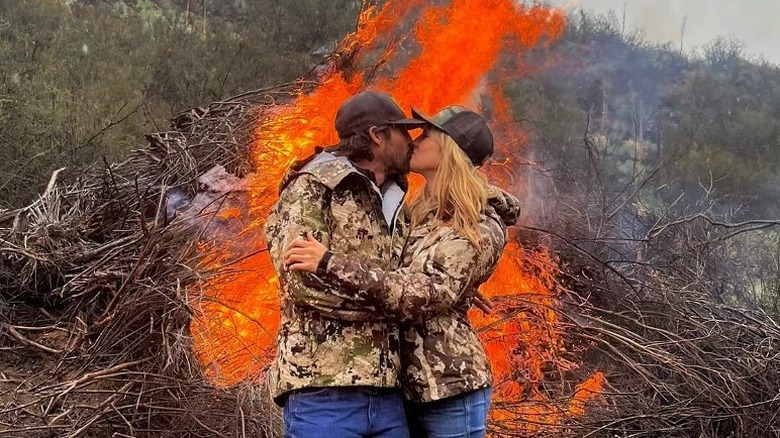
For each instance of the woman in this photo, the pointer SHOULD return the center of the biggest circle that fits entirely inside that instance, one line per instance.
(458, 234)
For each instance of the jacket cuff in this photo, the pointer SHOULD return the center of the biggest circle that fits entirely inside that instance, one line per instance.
(322, 266)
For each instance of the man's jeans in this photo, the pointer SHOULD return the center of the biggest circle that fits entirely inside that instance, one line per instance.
(345, 412)
(461, 416)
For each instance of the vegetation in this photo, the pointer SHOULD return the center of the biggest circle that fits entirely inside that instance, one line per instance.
(709, 123)
(83, 81)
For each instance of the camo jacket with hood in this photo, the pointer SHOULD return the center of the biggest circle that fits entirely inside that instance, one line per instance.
(430, 295)
(326, 339)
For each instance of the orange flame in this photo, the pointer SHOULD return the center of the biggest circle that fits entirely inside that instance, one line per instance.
(452, 57)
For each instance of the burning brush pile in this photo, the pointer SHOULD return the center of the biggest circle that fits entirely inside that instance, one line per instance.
(140, 301)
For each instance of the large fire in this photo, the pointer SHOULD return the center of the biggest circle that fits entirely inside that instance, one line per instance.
(428, 56)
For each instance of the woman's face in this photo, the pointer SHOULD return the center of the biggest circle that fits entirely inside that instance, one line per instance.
(426, 154)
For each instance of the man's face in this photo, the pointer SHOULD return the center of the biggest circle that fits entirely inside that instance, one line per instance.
(397, 150)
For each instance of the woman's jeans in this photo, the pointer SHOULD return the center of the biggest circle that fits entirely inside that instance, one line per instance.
(461, 416)
(345, 412)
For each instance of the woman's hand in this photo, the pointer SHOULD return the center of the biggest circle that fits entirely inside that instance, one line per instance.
(304, 254)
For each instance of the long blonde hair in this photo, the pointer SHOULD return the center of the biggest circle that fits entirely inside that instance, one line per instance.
(457, 195)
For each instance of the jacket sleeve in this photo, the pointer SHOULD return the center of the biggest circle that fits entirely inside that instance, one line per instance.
(302, 207)
(429, 286)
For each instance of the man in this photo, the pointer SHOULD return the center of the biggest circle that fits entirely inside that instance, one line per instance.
(337, 364)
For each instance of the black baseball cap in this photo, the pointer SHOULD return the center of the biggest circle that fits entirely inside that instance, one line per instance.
(469, 130)
(371, 108)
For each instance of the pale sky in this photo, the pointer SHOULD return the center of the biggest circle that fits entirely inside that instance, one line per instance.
(754, 22)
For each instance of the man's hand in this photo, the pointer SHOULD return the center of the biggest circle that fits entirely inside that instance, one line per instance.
(304, 254)
(483, 303)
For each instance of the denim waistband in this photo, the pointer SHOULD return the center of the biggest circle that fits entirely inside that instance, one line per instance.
(368, 390)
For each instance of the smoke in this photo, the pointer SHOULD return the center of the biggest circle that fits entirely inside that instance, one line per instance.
(175, 199)
(213, 208)
(661, 21)
(538, 187)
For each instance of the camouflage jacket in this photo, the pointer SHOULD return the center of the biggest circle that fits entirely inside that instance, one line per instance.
(325, 339)
(430, 295)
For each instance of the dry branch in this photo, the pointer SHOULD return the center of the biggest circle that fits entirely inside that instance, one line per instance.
(93, 325)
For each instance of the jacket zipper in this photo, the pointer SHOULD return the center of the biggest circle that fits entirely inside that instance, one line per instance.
(391, 228)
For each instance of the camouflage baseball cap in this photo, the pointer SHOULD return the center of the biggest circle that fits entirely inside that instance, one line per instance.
(469, 130)
(371, 108)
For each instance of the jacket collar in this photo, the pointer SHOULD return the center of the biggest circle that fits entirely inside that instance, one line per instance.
(330, 170)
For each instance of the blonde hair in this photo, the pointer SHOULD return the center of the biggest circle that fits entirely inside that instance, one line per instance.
(457, 195)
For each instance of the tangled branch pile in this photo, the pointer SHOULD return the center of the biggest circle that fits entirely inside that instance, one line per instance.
(659, 301)
(95, 317)
(94, 320)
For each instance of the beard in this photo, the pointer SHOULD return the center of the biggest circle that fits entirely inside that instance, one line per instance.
(400, 164)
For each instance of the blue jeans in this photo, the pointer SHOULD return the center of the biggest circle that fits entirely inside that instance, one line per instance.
(345, 412)
(461, 416)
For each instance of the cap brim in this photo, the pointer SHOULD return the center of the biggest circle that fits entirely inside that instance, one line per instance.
(428, 121)
(408, 123)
